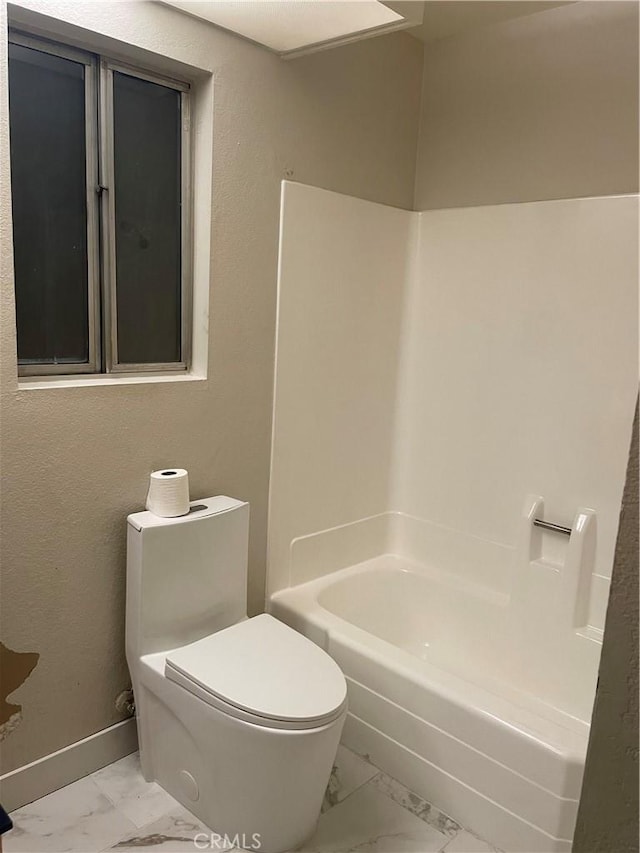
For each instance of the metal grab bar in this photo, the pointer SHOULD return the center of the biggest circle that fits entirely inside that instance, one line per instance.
(549, 525)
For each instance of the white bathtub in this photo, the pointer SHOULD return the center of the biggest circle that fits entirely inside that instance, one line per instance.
(450, 693)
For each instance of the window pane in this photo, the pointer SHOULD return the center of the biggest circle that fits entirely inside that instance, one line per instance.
(48, 181)
(147, 175)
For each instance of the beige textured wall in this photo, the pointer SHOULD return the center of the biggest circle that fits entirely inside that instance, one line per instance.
(540, 107)
(608, 815)
(76, 461)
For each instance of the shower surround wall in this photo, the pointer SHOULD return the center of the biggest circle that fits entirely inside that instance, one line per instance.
(519, 371)
(342, 269)
(441, 378)
(434, 369)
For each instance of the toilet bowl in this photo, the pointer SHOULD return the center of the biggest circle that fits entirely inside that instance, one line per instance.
(238, 718)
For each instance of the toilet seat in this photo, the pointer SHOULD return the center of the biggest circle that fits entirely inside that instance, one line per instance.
(263, 672)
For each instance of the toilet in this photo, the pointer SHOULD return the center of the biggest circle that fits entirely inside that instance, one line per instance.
(238, 718)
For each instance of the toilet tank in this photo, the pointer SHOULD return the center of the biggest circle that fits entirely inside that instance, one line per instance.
(186, 576)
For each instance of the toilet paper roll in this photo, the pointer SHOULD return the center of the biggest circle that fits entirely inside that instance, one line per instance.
(168, 494)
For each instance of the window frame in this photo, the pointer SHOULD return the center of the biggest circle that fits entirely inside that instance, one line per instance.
(100, 201)
(109, 283)
(93, 365)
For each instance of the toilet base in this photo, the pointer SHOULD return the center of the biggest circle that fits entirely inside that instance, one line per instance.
(258, 788)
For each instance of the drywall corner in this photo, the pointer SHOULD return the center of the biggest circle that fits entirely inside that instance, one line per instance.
(608, 813)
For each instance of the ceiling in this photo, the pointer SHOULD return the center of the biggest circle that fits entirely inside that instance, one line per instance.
(443, 18)
(295, 27)
(292, 27)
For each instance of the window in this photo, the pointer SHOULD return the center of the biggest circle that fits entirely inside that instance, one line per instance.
(100, 178)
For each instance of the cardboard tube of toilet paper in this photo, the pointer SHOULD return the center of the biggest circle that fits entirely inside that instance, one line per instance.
(168, 494)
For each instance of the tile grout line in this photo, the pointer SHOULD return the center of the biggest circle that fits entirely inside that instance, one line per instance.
(357, 788)
(389, 797)
(384, 793)
(447, 839)
(361, 785)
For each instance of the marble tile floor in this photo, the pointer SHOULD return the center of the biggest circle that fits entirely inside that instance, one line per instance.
(115, 809)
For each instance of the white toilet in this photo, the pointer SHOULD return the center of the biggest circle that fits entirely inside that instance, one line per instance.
(239, 719)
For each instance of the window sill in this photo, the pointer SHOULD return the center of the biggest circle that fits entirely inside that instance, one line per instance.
(27, 383)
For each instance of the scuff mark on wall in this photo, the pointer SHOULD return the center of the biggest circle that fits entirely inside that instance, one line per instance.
(15, 668)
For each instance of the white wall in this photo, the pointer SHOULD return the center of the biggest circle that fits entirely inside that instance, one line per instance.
(519, 371)
(341, 280)
(443, 369)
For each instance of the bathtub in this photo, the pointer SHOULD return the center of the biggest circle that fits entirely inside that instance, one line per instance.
(456, 695)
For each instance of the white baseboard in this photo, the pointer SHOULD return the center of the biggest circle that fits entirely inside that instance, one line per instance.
(47, 774)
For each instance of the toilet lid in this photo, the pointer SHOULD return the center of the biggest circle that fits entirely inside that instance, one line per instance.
(264, 669)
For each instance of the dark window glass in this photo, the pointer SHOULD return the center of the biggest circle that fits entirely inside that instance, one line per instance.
(48, 177)
(147, 174)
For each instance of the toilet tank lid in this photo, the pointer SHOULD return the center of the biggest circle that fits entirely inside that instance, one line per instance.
(203, 508)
